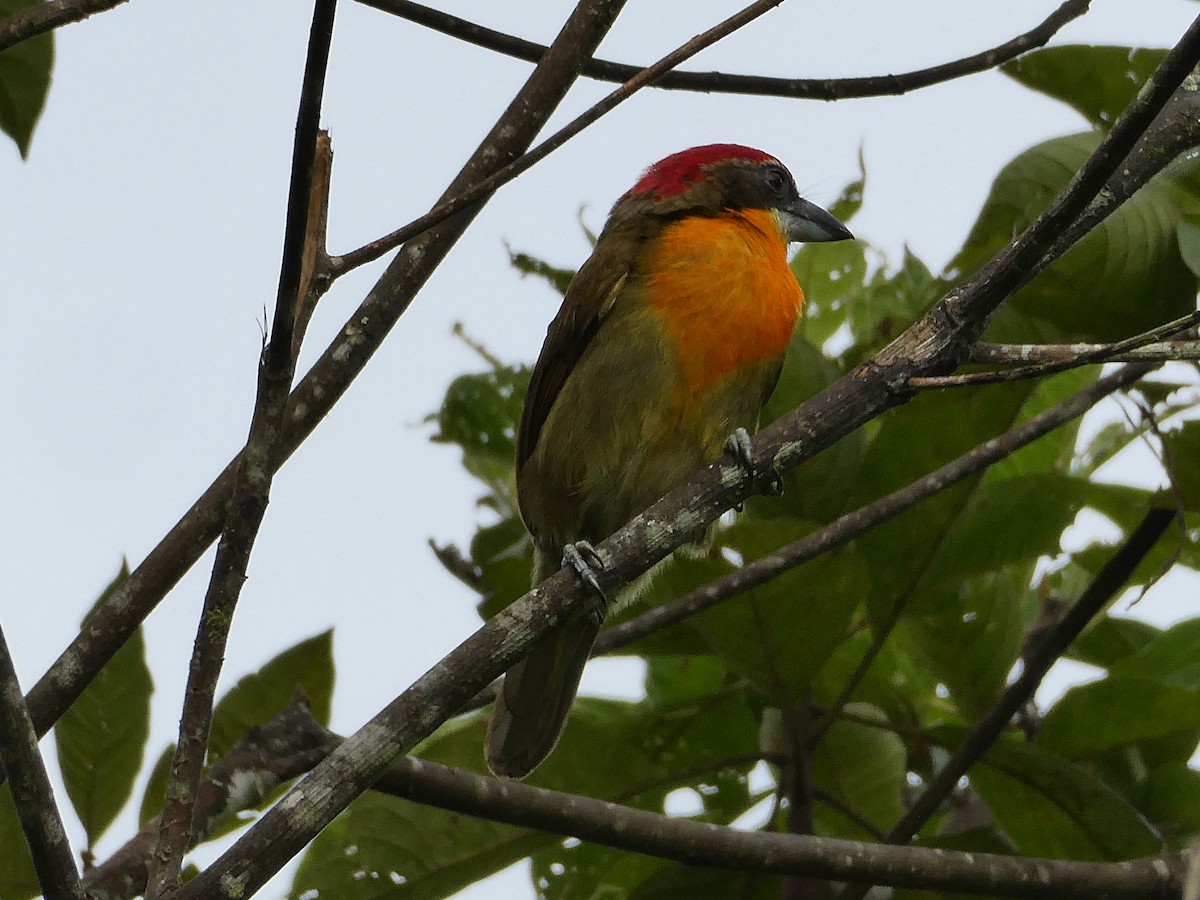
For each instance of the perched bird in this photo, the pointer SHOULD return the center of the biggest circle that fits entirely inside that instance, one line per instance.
(669, 340)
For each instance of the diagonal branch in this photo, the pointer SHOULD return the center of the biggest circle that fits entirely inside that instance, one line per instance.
(751, 85)
(1108, 581)
(31, 792)
(252, 492)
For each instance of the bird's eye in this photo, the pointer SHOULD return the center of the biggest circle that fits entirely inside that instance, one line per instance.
(776, 180)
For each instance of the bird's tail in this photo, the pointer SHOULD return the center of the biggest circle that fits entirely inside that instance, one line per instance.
(535, 697)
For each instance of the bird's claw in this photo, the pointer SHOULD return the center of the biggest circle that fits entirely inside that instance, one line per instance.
(582, 558)
(741, 448)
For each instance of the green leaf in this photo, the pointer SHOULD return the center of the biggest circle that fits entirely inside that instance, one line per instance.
(1110, 640)
(850, 200)
(862, 766)
(972, 645)
(582, 871)
(1014, 520)
(1053, 808)
(911, 442)
(781, 633)
(18, 880)
(832, 277)
(102, 737)
(890, 303)
(559, 279)
(1126, 276)
(1172, 657)
(1183, 450)
(1170, 798)
(24, 80)
(503, 555)
(259, 696)
(480, 413)
(1099, 82)
(154, 797)
(1083, 723)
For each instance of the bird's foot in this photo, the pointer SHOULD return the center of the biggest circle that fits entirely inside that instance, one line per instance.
(582, 558)
(741, 448)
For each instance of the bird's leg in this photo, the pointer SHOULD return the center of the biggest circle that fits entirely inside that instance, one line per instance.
(741, 448)
(583, 559)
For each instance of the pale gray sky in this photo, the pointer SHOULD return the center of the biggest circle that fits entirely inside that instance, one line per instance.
(141, 245)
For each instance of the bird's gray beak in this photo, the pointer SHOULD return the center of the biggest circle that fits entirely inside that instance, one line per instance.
(804, 221)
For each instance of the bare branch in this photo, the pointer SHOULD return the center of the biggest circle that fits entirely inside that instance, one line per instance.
(43, 17)
(31, 792)
(266, 757)
(1049, 359)
(315, 260)
(752, 85)
(339, 265)
(252, 492)
(703, 844)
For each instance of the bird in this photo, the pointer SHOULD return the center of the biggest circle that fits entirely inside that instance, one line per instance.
(670, 338)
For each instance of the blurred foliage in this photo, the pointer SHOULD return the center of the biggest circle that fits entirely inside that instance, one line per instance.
(24, 80)
(965, 579)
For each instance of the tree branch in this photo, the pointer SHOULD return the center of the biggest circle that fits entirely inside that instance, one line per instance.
(1050, 359)
(31, 792)
(714, 846)
(251, 495)
(1108, 581)
(42, 17)
(266, 757)
(752, 85)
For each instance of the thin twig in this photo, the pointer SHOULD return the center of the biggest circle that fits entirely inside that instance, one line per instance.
(31, 792)
(1108, 581)
(754, 85)
(340, 265)
(1061, 357)
(40, 18)
(249, 505)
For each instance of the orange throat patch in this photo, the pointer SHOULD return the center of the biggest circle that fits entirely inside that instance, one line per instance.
(725, 293)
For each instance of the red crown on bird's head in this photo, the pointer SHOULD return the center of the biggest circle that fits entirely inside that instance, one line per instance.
(679, 171)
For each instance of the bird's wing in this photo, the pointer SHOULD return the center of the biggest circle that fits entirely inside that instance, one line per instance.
(589, 299)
